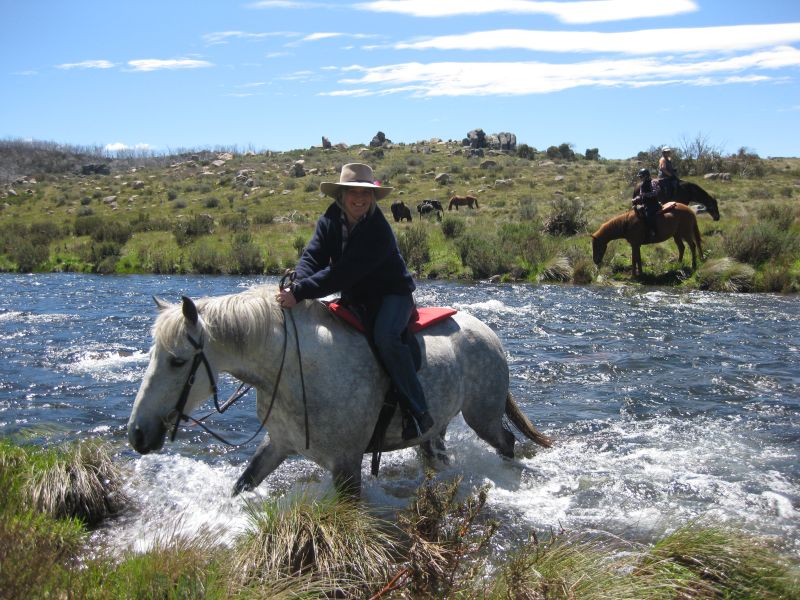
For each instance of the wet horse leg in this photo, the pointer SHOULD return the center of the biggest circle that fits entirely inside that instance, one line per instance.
(681, 247)
(491, 431)
(266, 459)
(636, 259)
(347, 476)
(434, 449)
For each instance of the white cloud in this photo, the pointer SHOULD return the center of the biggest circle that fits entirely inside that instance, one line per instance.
(120, 147)
(87, 64)
(222, 37)
(589, 11)
(314, 37)
(154, 64)
(286, 4)
(647, 41)
(321, 36)
(522, 78)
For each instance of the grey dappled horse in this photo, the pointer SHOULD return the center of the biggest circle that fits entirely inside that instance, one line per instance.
(323, 401)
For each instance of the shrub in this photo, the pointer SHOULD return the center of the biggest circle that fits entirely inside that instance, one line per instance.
(246, 257)
(102, 229)
(781, 215)
(566, 217)
(452, 227)
(197, 225)
(759, 242)
(482, 254)
(264, 218)
(299, 244)
(205, 259)
(415, 246)
(528, 210)
(211, 202)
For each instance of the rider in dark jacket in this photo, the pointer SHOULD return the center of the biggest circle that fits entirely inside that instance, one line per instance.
(354, 252)
(646, 204)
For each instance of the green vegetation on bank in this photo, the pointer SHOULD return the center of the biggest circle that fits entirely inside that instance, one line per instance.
(299, 546)
(233, 213)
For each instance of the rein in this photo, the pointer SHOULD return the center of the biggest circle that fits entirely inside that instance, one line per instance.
(241, 391)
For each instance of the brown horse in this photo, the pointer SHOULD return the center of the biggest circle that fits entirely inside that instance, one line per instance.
(685, 193)
(675, 221)
(462, 201)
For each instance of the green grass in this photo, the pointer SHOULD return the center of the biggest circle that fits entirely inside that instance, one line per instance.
(189, 214)
(302, 546)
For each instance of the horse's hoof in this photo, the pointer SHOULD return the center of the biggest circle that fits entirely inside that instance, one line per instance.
(242, 485)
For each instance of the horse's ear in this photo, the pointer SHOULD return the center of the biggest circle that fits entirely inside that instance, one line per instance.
(190, 310)
(160, 304)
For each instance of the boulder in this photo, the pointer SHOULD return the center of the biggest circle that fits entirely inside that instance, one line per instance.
(298, 169)
(442, 178)
(475, 139)
(379, 140)
(326, 143)
(95, 169)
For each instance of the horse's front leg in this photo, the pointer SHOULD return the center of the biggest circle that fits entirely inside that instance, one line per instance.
(347, 476)
(636, 259)
(681, 248)
(266, 459)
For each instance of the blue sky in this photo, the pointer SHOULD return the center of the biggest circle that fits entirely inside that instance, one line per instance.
(618, 75)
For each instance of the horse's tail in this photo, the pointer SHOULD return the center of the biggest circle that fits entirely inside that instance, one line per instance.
(521, 422)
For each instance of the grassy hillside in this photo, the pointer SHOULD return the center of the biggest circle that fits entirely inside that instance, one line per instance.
(226, 212)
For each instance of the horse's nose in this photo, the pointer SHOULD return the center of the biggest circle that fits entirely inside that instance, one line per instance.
(136, 438)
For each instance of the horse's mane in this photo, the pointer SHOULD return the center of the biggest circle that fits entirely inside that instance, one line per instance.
(232, 318)
(613, 226)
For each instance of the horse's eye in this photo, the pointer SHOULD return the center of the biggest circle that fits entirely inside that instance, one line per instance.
(176, 362)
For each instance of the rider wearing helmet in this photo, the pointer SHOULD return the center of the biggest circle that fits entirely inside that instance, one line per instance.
(646, 204)
(667, 175)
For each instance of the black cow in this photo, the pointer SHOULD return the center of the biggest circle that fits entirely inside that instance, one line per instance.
(427, 207)
(400, 211)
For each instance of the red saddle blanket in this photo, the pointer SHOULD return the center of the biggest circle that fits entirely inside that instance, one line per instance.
(420, 318)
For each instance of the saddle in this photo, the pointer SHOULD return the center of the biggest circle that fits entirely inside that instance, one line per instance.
(421, 318)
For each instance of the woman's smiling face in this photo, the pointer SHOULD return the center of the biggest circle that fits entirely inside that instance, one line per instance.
(356, 202)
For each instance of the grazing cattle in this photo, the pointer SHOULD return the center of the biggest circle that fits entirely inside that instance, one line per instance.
(427, 207)
(457, 201)
(400, 211)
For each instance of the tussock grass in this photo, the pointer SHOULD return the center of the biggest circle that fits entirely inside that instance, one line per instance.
(557, 269)
(725, 275)
(80, 481)
(331, 543)
(442, 546)
(718, 562)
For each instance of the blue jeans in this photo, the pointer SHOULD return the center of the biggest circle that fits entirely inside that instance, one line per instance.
(391, 320)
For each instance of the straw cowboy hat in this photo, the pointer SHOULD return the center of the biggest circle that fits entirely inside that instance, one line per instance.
(355, 175)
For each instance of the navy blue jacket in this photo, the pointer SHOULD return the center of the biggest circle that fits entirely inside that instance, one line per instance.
(369, 268)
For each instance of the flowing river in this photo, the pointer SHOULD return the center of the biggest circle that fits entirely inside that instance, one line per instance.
(666, 406)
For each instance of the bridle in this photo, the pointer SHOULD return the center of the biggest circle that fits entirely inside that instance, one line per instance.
(200, 358)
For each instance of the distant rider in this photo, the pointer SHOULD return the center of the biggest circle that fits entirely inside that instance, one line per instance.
(667, 175)
(646, 204)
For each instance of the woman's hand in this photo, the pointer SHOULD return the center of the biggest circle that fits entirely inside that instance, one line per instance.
(286, 299)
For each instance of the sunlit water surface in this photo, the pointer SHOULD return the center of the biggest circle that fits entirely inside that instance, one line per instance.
(665, 407)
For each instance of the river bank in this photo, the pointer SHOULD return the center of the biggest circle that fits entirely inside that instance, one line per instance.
(223, 213)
